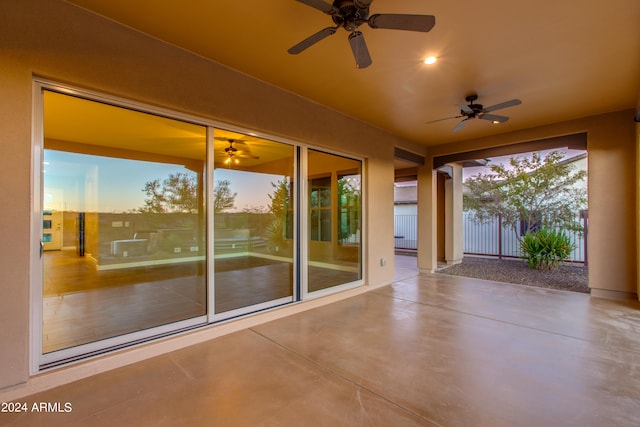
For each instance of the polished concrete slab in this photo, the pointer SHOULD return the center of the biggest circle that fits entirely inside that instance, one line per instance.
(426, 350)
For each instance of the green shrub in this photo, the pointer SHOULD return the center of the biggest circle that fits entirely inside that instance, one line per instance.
(275, 235)
(545, 249)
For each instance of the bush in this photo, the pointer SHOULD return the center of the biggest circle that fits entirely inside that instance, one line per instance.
(545, 249)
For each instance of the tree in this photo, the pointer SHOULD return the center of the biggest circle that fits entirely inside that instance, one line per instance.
(179, 193)
(349, 205)
(279, 205)
(535, 192)
(223, 198)
(281, 227)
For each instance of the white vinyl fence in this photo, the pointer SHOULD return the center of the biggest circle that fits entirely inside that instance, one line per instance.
(406, 231)
(491, 238)
(488, 238)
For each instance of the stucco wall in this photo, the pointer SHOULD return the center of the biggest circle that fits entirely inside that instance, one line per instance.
(58, 41)
(637, 204)
(611, 193)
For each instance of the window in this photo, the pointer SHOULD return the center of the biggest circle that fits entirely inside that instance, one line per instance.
(320, 212)
(124, 229)
(334, 247)
(253, 236)
(150, 224)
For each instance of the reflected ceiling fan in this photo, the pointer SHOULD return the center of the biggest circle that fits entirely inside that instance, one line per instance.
(237, 151)
(478, 111)
(350, 14)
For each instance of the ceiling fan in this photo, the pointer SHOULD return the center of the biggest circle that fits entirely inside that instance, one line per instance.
(350, 14)
(478, 111)
(240, 150)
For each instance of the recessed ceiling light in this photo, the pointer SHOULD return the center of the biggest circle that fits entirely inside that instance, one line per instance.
(430, 60)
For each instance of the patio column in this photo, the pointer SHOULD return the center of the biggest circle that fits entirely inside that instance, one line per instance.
(454, 243)
(427, 217)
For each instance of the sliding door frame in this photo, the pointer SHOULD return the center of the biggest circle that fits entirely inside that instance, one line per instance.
(39, 361)
(308, 295)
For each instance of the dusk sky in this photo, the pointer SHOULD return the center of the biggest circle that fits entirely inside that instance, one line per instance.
(120, 182)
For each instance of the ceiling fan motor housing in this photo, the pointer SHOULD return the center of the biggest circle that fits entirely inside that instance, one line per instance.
(477, 108)
(352, 13)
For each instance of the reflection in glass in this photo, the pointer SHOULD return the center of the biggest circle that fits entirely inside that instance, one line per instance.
(123, 200)
(253, 234)
(334, 220)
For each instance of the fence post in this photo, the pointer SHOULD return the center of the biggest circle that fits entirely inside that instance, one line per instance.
(499, 236)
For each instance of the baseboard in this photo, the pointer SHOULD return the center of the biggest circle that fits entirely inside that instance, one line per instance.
(616, 295)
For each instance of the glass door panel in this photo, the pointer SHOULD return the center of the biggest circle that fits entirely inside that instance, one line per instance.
(253, 224)
(124, 191)
(334, 234)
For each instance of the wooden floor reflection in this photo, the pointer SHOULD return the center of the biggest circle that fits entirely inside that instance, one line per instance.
(83, 305)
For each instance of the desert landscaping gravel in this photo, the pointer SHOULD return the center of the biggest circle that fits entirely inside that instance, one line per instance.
(566, 277)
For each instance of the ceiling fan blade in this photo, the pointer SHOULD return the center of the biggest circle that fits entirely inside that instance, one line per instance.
(460, 125)
(362, 4)
(502, 105)
(321, 6)
(241, 144)
(493, 118)
(360, 51)
(465, 108)
(311, 40)
(446, 118)
(245, 151)
(422, 23)
(233, 140)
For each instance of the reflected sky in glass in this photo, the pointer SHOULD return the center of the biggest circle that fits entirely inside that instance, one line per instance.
(120, 182)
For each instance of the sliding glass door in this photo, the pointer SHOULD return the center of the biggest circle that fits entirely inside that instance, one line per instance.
(148, 224)
(334, 219)
(254, 217)
(124, 229)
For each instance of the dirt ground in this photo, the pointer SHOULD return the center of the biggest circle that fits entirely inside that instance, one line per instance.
(566, 277)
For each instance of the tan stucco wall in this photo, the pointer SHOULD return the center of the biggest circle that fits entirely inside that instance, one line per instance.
(58, 41)
(454, 245)
(612, 183)
(637, 205)
(428, 218)
(611, 192)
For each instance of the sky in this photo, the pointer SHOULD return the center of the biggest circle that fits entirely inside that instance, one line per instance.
(120, 183)
(472, 171)
(252, 189)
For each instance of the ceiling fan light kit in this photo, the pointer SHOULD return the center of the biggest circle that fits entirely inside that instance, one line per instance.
(234, 154)
(350, 15)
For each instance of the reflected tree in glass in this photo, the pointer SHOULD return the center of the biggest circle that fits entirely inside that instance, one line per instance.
(280, 230)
